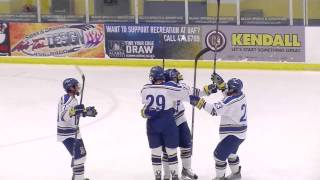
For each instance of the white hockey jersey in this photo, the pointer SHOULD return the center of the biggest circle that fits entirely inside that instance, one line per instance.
(164, 96)
(233, 112)
(66, 127)
(179, 114)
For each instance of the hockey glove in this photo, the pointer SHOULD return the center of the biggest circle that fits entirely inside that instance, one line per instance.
(76, 110)
(90, 111)
(217, 79)
(197, 101)
(142, 111)
(210, 89)
(180, 77)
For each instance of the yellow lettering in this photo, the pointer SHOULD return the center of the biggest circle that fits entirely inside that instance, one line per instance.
(295, 41)
(267, 40)
(256, 40)
(278, 41)
(287, 41)
(236, 39)
(246, 39)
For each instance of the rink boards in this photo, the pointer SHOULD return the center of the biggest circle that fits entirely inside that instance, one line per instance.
(168, 63)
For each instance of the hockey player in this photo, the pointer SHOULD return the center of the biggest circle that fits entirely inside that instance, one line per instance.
(233, 125)
(69, 110)
(173, 75)
(159, 99)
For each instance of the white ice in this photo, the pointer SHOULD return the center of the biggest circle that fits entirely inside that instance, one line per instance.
(283, 114)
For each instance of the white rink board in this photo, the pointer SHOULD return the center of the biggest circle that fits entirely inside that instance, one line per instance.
(283, 134)
(312, 45)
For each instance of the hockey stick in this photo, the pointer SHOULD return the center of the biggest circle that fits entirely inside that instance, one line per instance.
(77, 120)
(83, 81)
(215, 45)
(202, 52)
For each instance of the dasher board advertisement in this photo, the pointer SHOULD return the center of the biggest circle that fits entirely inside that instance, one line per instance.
(61, 40)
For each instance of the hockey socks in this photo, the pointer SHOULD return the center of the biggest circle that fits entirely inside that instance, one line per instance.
(220, 168)
(234, 163)
(173, 161)
(156, 161)
(186, 157)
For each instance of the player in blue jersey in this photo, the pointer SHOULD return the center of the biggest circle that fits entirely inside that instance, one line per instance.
(69, 109)
(159, 99)
(233, 124)
(174, 76)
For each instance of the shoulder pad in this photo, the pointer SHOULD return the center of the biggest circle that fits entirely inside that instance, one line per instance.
(66, 98)
(229, 99)
(172, 84)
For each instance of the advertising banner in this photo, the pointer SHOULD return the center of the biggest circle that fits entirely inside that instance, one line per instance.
(256, 43)
(152, 41)
(61, 40)
(236, 43)
(4, 39)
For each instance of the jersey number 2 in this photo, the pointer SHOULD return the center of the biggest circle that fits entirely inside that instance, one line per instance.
(160, 102)
(244, 116)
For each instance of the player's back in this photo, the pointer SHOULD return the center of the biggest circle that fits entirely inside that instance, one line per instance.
(235, 110)
(234, 116)
(161, 96)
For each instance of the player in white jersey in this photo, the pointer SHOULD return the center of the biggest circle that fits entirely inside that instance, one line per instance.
(233, 125)
(185, 143)
(69, 109)
(159, 100)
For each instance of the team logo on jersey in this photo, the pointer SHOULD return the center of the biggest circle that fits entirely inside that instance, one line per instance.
(216, 41)
(60, 40)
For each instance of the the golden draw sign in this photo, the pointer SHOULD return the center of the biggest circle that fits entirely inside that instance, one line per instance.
(276, 40)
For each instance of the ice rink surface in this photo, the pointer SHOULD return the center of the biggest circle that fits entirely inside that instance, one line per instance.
(283, 124)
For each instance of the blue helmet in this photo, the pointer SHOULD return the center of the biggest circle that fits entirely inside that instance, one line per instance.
(173, 75)
(70, 83)
(234, 85)
(156, 73)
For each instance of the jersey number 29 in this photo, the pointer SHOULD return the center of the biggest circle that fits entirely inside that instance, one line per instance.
(160, 102)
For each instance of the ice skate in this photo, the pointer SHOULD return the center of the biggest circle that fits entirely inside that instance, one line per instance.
(187, 174)
(235, 176)
(166, 177)
(167, 174)
(158, 175)
(83, 179)
(220, 178)
(175, 177)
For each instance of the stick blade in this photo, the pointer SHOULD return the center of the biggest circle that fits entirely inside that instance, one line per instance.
(202, 52)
